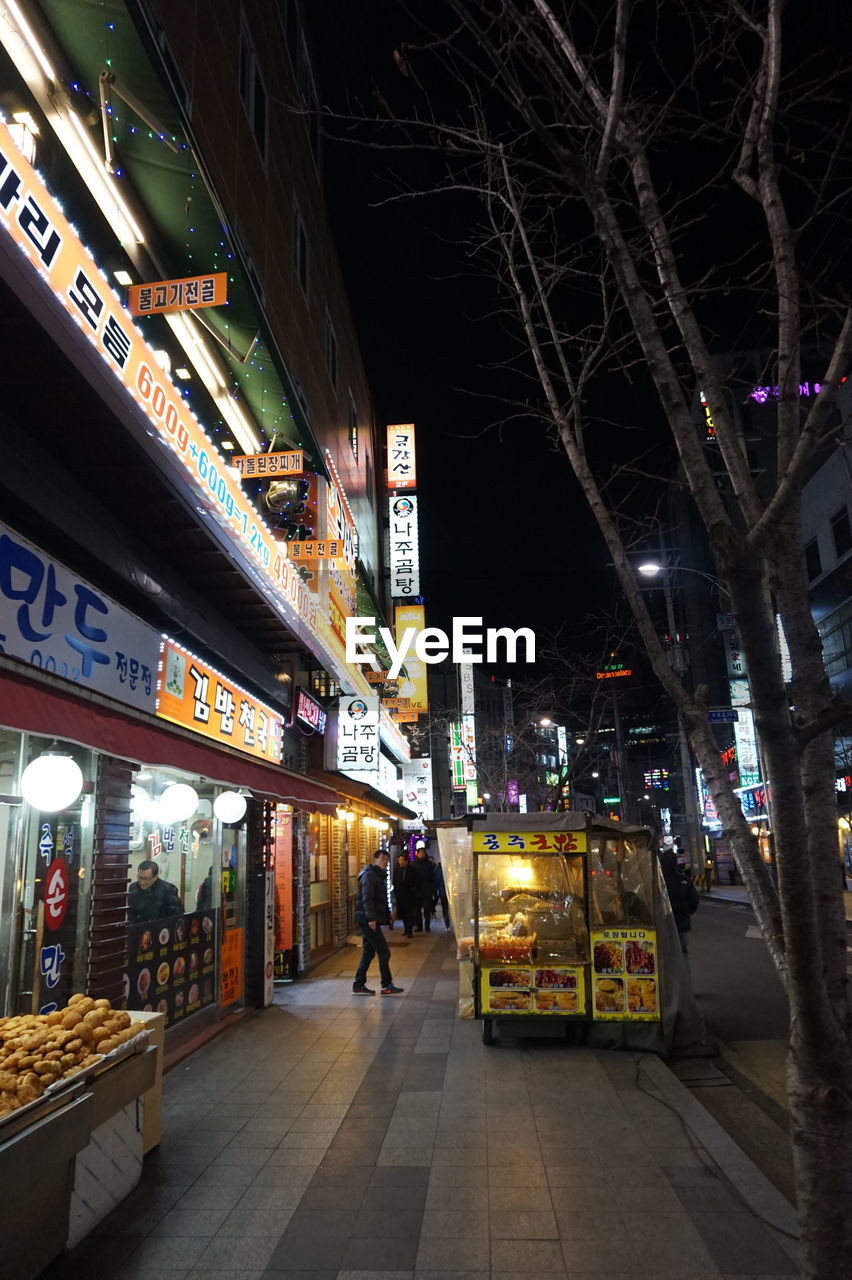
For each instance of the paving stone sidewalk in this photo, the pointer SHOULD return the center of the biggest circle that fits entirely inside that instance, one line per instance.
(341, 1138)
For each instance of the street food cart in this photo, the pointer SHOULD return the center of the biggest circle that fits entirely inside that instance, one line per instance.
(562, 918)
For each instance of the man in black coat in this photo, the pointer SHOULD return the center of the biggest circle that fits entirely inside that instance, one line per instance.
(151, 898)
(425, 870)
(404, 892)
(371, 912)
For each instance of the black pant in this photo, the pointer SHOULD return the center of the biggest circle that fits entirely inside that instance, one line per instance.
(374, 943)
(424, 914)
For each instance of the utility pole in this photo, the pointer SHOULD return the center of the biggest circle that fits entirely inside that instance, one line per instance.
(690, 801)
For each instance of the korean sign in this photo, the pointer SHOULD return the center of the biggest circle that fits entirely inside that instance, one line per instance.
(33, 223)
(402, 470)
(58, 859)
(529, 841)
(417, 787)
(231, 980)
(457, 756)
(192, 694)
(625, 975)
(187, 294)
(270, 466)
(54, 620)
(358, 735)
(404, 546)
(415, 686)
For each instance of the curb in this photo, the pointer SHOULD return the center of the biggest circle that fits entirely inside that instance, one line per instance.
(751, 1185)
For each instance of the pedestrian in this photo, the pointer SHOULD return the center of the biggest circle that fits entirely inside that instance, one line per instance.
(204, 894)
(151, 898)
(371, 912)
(683, 896)
(404, 892)
(441, 894)
(425, 870)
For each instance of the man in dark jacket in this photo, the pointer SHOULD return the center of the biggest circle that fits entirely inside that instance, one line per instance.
(404, 892)
(371, 912)
(151, 898)
(425, 870)
(683, 896)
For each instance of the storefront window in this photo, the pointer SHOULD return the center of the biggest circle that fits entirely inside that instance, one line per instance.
(10, 819)
(186, 900)
(50, 932)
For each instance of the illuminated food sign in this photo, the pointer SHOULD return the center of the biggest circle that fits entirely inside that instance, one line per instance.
(404, 545)
(187, 294)
(309, 711)
(402, 467)
(270, 466)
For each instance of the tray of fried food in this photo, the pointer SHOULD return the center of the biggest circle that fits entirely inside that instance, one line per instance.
(40, 1052)
(507, 946)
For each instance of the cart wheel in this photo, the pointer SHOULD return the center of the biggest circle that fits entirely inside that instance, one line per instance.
(487, 1031)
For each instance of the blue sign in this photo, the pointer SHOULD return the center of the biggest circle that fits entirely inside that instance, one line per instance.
(726, 715)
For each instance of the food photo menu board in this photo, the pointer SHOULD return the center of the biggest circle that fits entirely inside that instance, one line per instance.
(625, 975)
(171, 965)
(527, 989)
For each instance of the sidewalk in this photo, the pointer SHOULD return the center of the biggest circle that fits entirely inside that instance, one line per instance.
(338, 1138)
(739, 893)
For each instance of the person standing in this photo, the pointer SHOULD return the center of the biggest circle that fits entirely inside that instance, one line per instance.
(371, 912)
(425, 871)
(151, 898)
(441, 894)
(404, 892)
(683, 896)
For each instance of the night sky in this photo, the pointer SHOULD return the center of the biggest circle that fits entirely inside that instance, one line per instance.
(505, 533)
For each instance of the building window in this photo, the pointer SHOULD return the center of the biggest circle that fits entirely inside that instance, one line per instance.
(301, 250)
(353, 425)
(303, 73)
(253, 90)
(813, 563)
(368, 468)
(841, 531)
(330, 351)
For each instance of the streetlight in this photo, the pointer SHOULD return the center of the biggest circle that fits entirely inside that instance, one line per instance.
(545, 722)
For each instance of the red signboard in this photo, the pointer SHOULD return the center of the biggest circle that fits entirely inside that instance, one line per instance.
(56, 894)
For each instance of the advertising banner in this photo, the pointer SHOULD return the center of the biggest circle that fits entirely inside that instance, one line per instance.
(270, 466)
(529, 841)
(531, 990)
(57, 621)
(404, 542)
(171, 965)
(414, 685)
(192, 694)
(625, 975)
(402, 467)
(352, 746)
(231, 980)
(417, 789)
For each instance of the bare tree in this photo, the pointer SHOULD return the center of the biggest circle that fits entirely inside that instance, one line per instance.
(658, 185)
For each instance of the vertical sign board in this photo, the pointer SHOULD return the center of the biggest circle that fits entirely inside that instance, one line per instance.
(468, 708)
(417, 789)
(414, 686)
(457, 755)
(745, 736)
(355, 746)
(402, 468)
(404, 546)
(231, 982)
(268, 938)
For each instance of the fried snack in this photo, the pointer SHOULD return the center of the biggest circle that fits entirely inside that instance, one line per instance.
(511, 1001)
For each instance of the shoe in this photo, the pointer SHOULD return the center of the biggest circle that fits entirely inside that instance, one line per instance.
(392, 990)
(428, 928)
(363, 991)
(408, 934)
(447, 925)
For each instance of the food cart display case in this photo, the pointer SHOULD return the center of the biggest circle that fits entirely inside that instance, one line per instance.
(557, 920)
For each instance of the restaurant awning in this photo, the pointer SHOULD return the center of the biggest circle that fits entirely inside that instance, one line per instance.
(353, 790)
(36, 703)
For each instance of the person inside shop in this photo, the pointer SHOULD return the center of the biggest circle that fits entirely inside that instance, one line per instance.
(204, 896)
(405, 883)
(683, 896)
(372, 910)
(425, 870)
(151, 898)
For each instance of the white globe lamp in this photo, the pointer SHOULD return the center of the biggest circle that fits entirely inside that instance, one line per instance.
(230, 807)
(51, 783)
(178, 802)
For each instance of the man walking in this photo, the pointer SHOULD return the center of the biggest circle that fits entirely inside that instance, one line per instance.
(425, 870)
(371, 912)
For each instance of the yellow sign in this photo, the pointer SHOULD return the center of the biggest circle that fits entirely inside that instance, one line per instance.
(625, 975)
(509, 989)
(231, 957)
(402, 466)
(414, 685)
(528, 841)
(188, 294)
(192, 694)
(270, 466)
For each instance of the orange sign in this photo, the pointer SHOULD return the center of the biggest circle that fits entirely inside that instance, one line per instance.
(192, 694)
(178, 295)
(33, 222)
(325, 549)
(269, 466)
(231, 958)
(405, 717)
(402, 466)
